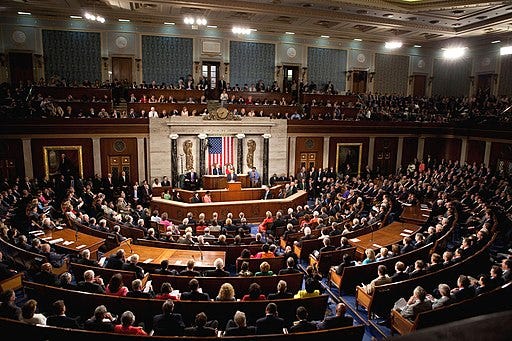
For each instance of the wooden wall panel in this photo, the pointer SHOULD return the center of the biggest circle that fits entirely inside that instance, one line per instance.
(113, 147)
(335, 140)
(500, 150)
(443, 148)
(306, 145)
(384, 155)
(475, 151)
(410, 150)
(38, 160)
(12, 149)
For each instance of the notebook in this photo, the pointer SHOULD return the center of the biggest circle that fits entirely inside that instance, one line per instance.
(400, 304)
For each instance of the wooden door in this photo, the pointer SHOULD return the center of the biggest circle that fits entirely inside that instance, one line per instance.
(484, 84)
(21, 67)
(117, 164)
(122, 69)
(211, 72)
(290, 76)
(307, 160)
(419, 85)
(8, 169)
(359, 82)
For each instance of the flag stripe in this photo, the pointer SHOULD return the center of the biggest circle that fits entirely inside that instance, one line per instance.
(220, 150)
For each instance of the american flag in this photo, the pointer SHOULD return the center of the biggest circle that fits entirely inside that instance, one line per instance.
(220, 150)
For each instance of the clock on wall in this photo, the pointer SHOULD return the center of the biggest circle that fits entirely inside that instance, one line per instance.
(19, 37)
(121, 42)
(291, 52)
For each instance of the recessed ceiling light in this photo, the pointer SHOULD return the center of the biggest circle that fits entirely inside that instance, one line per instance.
(388, 15)
(481, 17)
(289, 33)
(495, 41)
(211, 26)
(416, 45)
(24, 13)
(433, 21)
(169, 23)
(124, 20)
(506, 50)
(324, 36)
(393, 44)
(358, 39)
(75, 17)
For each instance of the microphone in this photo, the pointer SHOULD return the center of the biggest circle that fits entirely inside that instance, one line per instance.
(200, 252)
(128, 242)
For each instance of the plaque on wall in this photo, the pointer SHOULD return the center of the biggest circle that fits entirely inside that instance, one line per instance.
(211, 47)
(119, 146)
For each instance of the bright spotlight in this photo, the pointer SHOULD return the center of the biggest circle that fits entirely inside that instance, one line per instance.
(506, 50)
(393, 45)
(454, 52)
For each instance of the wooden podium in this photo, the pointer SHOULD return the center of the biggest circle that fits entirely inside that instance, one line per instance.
(234, 186)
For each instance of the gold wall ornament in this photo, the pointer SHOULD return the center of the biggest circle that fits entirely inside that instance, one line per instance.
(222, 114)
(189, 157)
(251, 147)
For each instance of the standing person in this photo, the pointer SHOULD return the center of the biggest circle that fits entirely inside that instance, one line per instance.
(217, 169)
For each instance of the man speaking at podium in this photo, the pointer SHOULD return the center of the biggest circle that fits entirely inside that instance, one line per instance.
(217, 170)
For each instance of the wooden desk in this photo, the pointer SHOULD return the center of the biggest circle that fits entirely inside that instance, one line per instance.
(254, 209)
(414, 215)
(178, 95)
(152, 256)
(77, 239)
(388, 235)
(220, 181)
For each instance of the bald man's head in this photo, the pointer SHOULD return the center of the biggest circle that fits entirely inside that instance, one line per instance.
(341, 309)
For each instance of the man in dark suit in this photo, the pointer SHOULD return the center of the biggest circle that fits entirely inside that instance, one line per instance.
(219, 270)
(271, 323)
(189, 271)
(337, 321)
(302, 325)
(116, 260)
(290, 268)
(282, 290)
(165, 182)
(222, 85)
(400, 274)
(168, 323)
(131, 265)
(238, 327)
(59, 318)
(191, 180)
(232, 177)
(267, 194)
(123, 183)
(108, 186)
(194, 294)
(464, 290)
(217, 170)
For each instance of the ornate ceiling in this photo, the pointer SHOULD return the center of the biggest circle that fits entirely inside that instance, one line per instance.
(411, 21)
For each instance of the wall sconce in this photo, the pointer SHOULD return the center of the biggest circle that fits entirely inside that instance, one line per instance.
(196, 65)
(105, 64)
(278, 69)
(472, 80)
(411, 79)
(348, 74)
(226, 67)
(371, 75)
(137, 60)
(430, 79)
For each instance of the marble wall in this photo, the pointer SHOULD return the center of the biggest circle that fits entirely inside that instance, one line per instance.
(188, 128)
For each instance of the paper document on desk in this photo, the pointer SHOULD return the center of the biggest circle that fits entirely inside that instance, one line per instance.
(408, 231)
(46, 238)
(406, 204)
(55, 241)
(425, 215)
(68, 242)
(58, 227)
(355, 240)
(178, 262)
(405, 234)
(377, 246)
(36, 232)
(102, 261)
(149, 260)
(80, 246)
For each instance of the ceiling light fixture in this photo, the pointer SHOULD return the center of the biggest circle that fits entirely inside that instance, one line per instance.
(358, 39)
(291, 33)
(75, 17)
(93, 17)
(393, 45)
(169, 23)
(416, 45)
(324, 36)
(241, 30)
(124, 20)
(212, 26)
(454, 52)
(195, 21)
(24, 13)
(495, 41)
(506, 50)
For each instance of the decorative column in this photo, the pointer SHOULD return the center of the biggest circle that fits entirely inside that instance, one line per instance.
(203, 142)
(487, 153)
(266, 138)
(96, 152)
(240, 154)
(174, 160)
(27, 158)
(399, 153)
